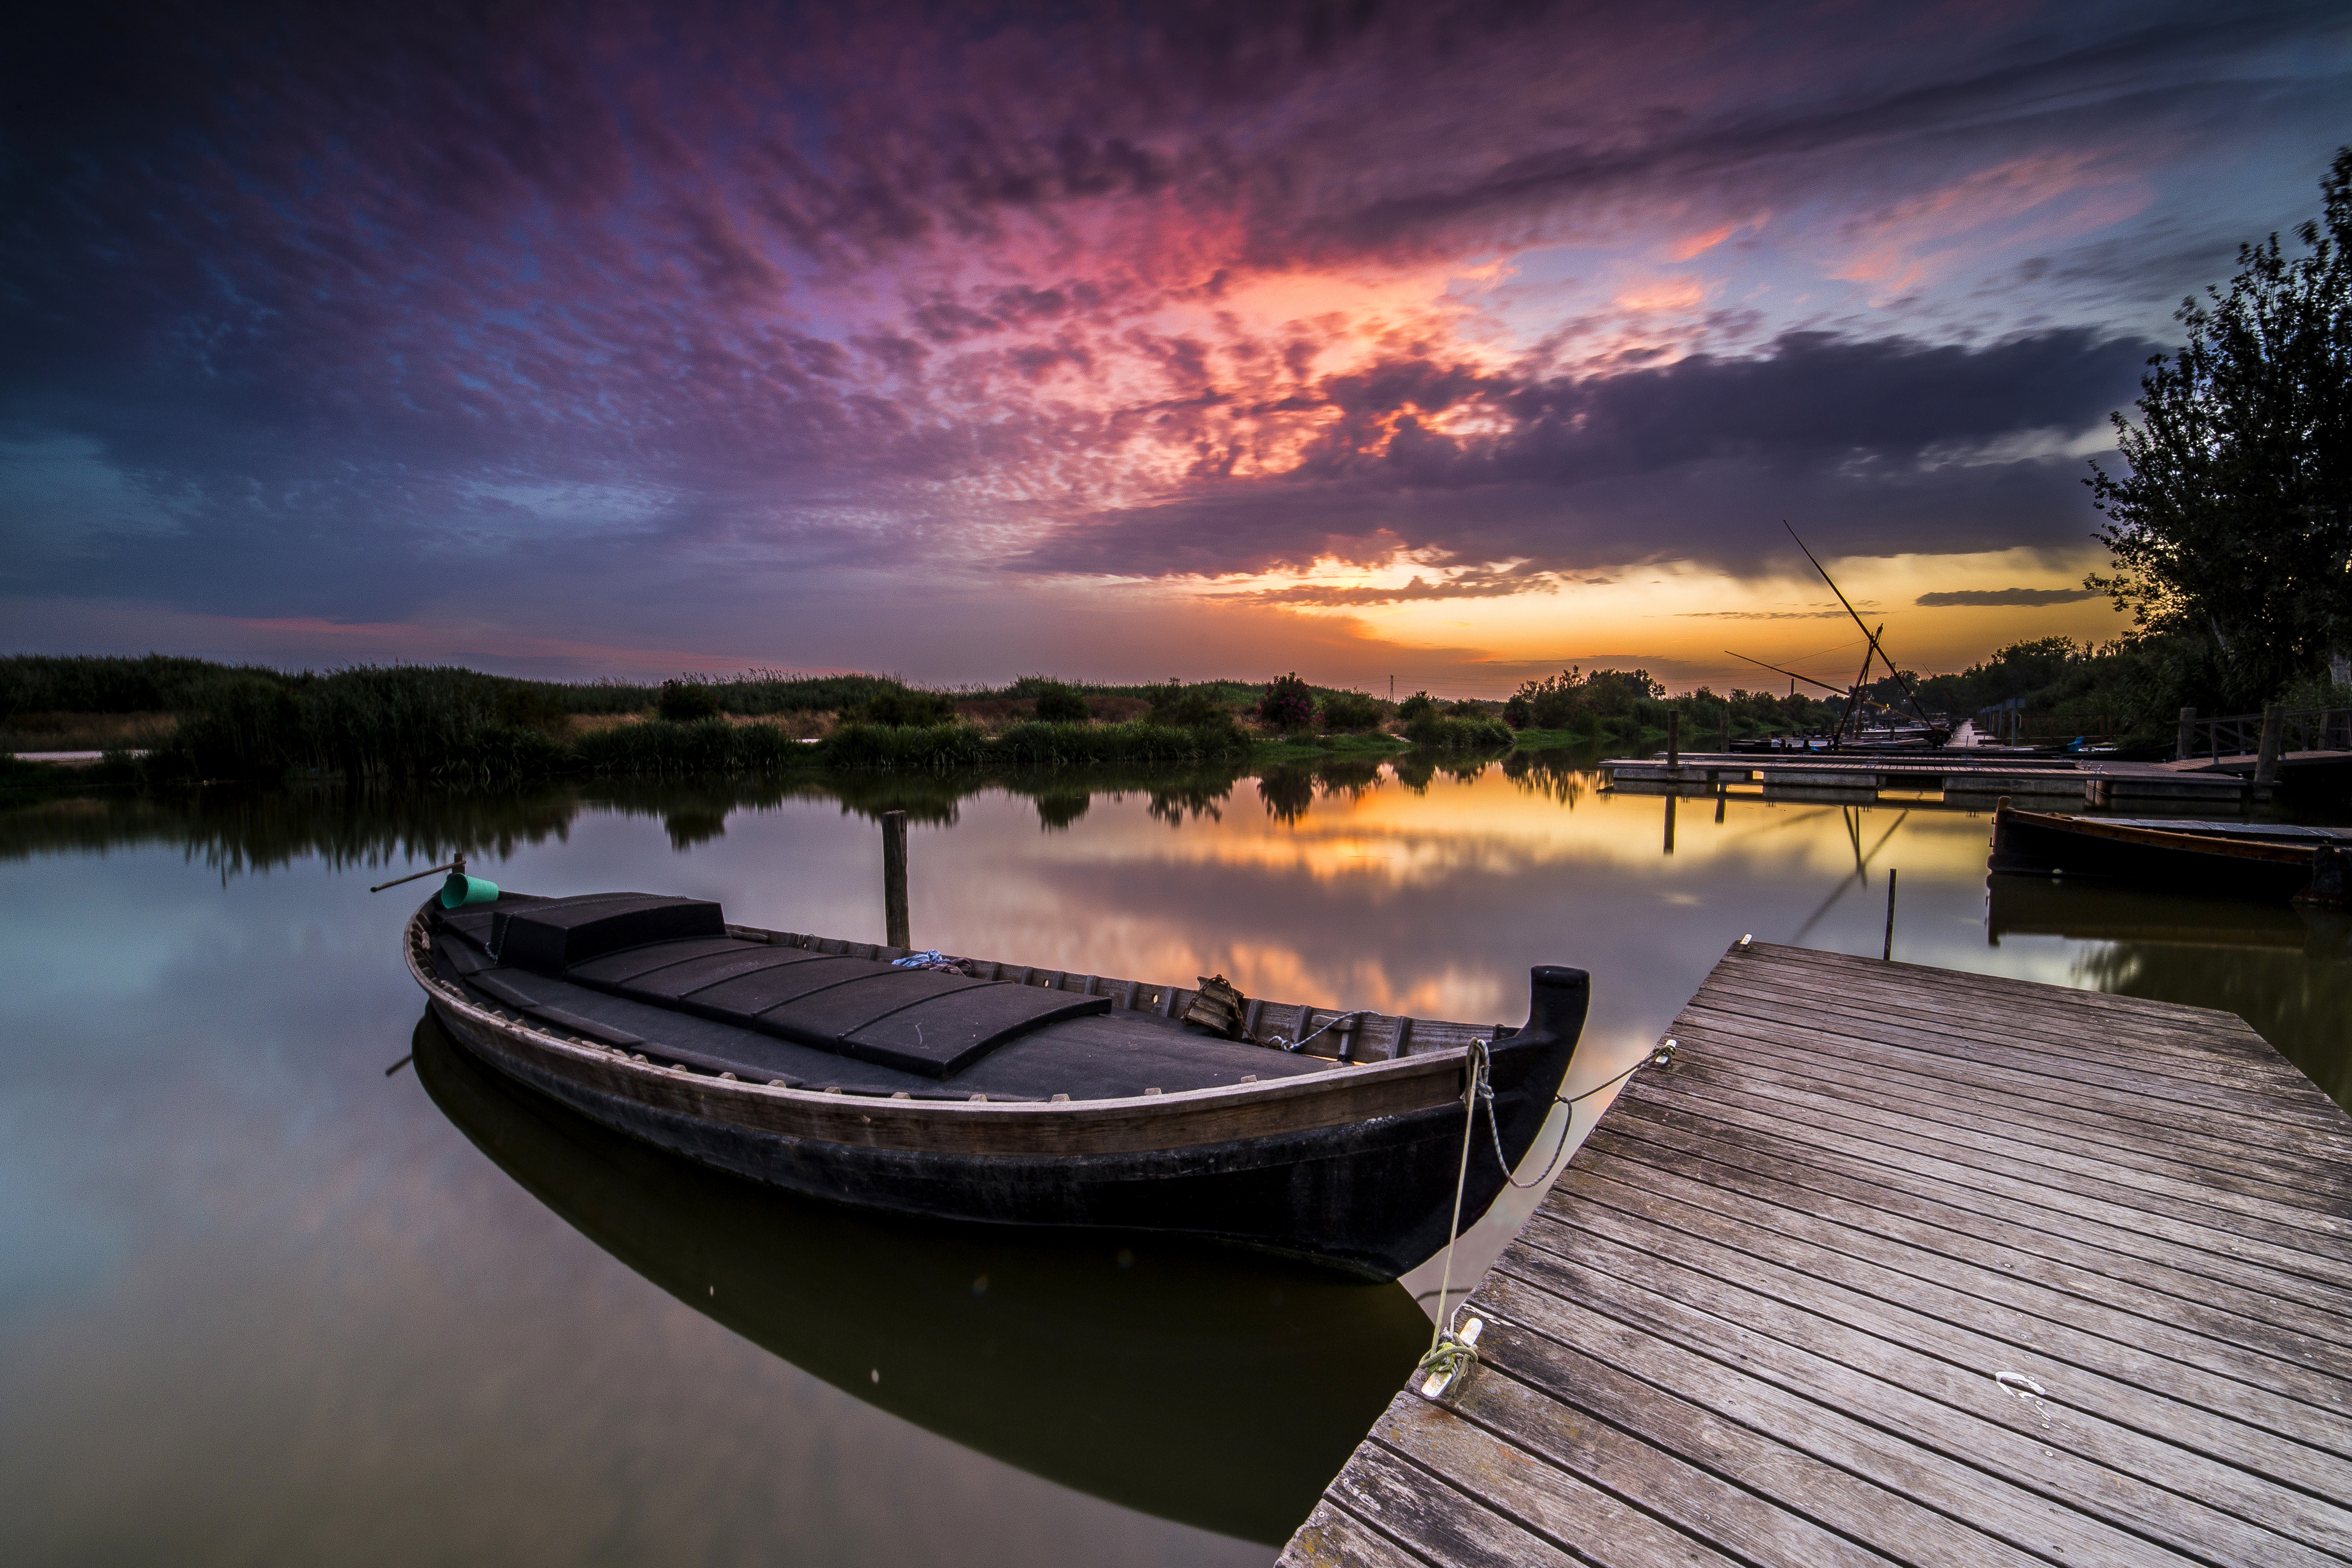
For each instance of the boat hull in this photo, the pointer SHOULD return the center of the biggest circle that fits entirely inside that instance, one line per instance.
(1354, 1167)
(2177, 859)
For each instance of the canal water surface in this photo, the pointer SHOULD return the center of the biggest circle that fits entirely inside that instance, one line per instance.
(286, 1278)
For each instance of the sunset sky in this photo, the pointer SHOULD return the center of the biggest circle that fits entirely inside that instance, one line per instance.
(1451, 342)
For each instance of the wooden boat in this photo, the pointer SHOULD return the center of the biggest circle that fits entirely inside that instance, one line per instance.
(977, 1090)
(2263, 860)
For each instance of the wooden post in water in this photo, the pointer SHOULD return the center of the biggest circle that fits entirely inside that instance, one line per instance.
(1887, 951)
(2187, 747)
(1674, 737)
(894, 880)
(1670, 823)
(2266, 760)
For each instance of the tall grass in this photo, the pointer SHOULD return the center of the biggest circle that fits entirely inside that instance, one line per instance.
(658, 748)
(1430, 733)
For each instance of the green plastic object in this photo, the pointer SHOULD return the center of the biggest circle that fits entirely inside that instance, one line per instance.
(461, 890)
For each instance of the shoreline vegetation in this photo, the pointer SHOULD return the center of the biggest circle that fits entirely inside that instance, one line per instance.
(163, 721)
(239, 832)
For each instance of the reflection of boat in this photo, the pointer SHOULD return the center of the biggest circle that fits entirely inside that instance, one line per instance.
(1192, 1382)
(2261, 860)
(988, 1093)
(2082, 909)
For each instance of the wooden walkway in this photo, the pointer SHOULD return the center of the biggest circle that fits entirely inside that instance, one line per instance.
(1959, 778)
(1764, 1315)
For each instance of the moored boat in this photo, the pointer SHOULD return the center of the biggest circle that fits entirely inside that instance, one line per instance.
(976, 1090)
(2262, 860)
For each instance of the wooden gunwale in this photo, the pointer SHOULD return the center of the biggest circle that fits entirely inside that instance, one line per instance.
(2158, 839)
(1339, 1096)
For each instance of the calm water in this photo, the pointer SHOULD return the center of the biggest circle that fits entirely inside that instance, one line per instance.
(261, 1302)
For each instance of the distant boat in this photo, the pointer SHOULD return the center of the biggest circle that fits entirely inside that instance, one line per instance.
(2262, 860)
(979, 1092)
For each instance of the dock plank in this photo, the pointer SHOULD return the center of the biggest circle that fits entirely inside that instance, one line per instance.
(1759, 1318)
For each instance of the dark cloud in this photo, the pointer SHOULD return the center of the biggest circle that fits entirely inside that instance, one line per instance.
(1874, 445)
(362, 297)
(2007, 596)
(1473, 585)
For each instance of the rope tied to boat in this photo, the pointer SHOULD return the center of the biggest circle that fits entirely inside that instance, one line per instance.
(1659, 1056)
(1454, 1349)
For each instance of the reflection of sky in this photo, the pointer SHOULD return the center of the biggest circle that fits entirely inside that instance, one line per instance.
(257, 1300)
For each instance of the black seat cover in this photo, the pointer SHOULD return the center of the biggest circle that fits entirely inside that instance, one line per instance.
(548, 937)
(675, 952)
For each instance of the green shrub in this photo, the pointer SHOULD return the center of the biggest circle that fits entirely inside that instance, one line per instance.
(882, 745)
(1415, 706)
(1353, 711)
(904, 707)
(685, 699)
(1180, 707)
(1288, 704)
(1060, 704)
(1436, 732)
(658, 748)
(1063, 745)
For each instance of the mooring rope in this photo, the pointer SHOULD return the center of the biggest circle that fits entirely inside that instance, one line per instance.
(1660, 1055)
(1300, 1044)
(1452, 1352)
(1449, 1355)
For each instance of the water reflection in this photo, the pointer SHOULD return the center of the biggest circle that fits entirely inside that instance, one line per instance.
(200, 1139)
(1196, 1384)
(2284, 969)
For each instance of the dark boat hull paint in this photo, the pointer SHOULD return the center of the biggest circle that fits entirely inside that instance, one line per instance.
(1374, 1197)
(2049, 843)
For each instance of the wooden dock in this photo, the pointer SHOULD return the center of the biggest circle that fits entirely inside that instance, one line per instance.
(2054, 783)
(1901, 1265)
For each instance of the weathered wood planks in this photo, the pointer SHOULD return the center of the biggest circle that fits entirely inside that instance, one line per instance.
(1763, 1316)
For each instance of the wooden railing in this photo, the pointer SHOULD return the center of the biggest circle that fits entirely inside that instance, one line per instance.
(2241, 734)
(2035, 729)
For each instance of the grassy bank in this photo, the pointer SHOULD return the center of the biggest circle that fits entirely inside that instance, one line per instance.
(194, 721)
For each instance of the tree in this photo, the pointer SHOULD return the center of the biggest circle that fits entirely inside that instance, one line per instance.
(1288, 704)
(2234, 527)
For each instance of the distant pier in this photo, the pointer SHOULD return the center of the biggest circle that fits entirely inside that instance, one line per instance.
(1952, 776)
(1902, 1265)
